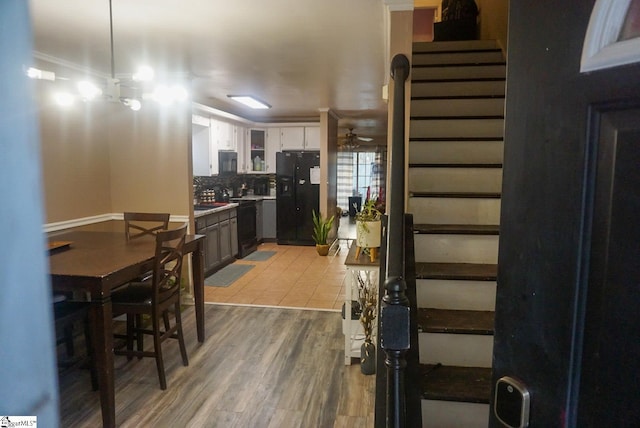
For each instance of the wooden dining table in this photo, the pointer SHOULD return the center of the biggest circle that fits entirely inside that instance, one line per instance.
(92, 264)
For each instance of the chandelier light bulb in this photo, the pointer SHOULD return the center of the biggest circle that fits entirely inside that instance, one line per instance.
(63, 99)
(144, 74)
(88, 90)
(135, 104)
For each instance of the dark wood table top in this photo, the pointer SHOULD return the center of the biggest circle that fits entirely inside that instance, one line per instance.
(100, 261)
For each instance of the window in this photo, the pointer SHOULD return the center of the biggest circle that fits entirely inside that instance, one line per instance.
(358, 171)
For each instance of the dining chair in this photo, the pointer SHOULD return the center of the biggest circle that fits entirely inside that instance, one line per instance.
(156, 299)
(67, 313)
(137, 225)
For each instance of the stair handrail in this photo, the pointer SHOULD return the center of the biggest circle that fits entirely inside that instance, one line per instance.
(394, 308)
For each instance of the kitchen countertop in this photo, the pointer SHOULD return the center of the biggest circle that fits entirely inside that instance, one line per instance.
(254, 198)
(202, 212)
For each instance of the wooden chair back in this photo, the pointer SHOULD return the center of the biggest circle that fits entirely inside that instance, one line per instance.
(167, 271)
(137, 225)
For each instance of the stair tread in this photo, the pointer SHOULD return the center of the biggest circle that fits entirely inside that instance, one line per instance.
(455, 321)
(462, 229)
(457, 271)
(480, 139)
(492, 195)
(451, 383)
(455, 165)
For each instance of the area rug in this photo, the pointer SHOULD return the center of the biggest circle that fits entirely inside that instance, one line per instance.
(227, 275)
(259, 256)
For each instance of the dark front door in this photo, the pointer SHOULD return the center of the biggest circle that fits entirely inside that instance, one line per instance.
(568, 299)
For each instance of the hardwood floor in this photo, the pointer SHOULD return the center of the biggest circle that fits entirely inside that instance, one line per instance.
(258, 367)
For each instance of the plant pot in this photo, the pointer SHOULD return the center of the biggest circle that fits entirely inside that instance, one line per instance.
(368, 233)
(323, 250)
(368, 358)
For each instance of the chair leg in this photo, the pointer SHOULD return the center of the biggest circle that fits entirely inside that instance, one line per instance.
(68, 339)
(165, 317)
(139, 335)
(158, 350)
(183, 348)
(130, 331)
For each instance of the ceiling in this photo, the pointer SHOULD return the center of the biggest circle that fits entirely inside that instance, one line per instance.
(298, 56)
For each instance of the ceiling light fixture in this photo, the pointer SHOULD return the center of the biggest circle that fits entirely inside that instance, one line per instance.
(250, 101)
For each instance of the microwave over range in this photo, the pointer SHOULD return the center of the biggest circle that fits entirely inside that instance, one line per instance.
(227, 163)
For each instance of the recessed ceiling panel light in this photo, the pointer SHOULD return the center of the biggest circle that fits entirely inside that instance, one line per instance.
(250, 101)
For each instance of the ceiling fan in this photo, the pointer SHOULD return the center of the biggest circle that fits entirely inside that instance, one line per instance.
(351, 141)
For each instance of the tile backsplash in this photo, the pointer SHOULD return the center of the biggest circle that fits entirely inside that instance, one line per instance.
(233, 184)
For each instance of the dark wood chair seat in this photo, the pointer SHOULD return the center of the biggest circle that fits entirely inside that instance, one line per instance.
(156, 299)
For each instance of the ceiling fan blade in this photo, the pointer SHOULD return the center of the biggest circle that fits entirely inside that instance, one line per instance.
(365, 139)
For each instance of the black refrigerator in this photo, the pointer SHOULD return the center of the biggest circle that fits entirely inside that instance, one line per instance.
(297, 194)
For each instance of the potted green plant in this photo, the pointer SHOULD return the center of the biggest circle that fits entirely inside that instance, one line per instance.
(368, 225)
(321, 229)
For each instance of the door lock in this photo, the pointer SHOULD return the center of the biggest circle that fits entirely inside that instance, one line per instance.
(511, 403)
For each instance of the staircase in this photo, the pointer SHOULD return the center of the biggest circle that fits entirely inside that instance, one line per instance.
(455, 180)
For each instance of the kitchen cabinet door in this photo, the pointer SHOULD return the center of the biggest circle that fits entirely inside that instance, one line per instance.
(225, 241)
(212, 252)
(233, 228)
(269, 219)
(292, 138)
(272, 147)
(224, 135)
(312, 138)
(257, 150)
(201, 146)
(259, 215)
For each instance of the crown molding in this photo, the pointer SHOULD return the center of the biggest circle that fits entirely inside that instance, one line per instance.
(399, 5)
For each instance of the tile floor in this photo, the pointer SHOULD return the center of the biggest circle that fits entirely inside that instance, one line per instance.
(294, 277)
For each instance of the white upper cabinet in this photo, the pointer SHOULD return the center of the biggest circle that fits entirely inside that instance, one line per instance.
(272, 147)
(312, 138)
(224, 136)
(300, 138)
(292, 138)
(241, 144)
(201, 145)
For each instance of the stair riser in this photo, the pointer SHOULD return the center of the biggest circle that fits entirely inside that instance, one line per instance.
(458, 107)
(457, 72)
(457, 45)
(451, 89)
(456, 294)
(462, 128)
(458, 58)
(487, 180)
(452, 414)
(456, 151)
(456, 248)
(455, 210)
(467, 350)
